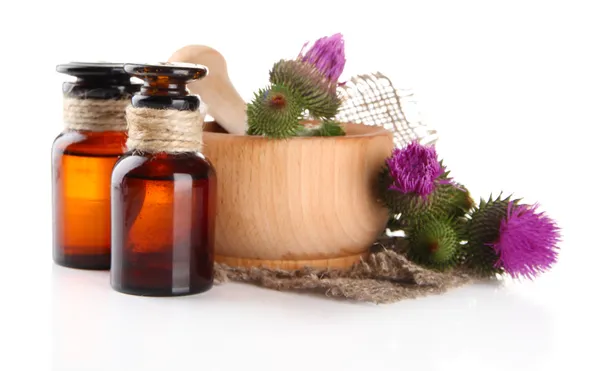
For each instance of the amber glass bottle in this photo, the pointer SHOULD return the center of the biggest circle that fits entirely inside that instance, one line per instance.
(83, 156)
(163, 203)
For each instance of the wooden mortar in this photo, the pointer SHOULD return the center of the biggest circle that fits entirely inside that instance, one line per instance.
(303, 201)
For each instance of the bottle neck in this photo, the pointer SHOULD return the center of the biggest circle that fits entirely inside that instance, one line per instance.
(163, 92)
(183, 103)
(100, 88)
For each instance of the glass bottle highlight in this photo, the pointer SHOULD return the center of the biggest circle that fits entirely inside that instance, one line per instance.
(83, 156)
(163, 190)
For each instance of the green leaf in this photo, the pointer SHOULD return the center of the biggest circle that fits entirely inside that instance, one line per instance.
(329, 128)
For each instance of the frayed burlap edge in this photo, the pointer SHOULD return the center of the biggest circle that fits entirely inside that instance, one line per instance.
(385, 276)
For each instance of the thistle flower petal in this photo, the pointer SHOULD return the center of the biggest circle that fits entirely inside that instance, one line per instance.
(327, 55)
(416, 169)
(527, 242)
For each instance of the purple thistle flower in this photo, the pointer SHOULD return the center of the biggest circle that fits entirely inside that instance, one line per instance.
(415, 169)
(327, 55)
(527, 241)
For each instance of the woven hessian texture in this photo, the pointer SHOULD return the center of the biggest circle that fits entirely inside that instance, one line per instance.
(386, 275)
(372, 99)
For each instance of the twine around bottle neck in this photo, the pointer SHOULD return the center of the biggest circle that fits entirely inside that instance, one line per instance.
(153, 130)
(95, 114)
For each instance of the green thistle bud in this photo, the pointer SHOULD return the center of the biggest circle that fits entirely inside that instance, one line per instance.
(459, 200)
(274, 112)
(319, 94)
(459, 196)
(434, 243)
(445, 200)
(482, 229)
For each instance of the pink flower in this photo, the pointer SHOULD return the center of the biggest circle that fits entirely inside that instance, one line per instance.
(527, 241)
(327, 55)
(415, 169)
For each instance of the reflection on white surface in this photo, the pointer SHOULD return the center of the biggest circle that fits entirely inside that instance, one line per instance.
(485, 326)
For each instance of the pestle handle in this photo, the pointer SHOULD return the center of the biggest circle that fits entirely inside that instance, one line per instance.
(223, 101)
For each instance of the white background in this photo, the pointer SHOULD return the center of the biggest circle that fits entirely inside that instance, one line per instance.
(512, 88)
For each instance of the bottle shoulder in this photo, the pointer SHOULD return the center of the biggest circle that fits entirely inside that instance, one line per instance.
(110, 143)
(162, 166)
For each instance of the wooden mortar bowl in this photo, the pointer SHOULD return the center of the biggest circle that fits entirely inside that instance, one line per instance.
(303, 201)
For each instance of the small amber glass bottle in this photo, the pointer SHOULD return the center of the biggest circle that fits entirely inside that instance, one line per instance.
(83, 156)
(163, 195)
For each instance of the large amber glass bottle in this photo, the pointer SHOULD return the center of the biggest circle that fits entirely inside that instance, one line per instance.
(163, 203)
(83, 156)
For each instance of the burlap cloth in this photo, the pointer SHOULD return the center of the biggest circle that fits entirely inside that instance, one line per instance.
(372, 99)
(386, 275)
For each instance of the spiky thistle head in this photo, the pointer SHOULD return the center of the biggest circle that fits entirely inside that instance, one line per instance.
(319, 94)
(413, 183)
(505, 236)
(327, 54)
(459, 199)
(274, 112)
(435, 243)
(445, 201)
(482, 229)
(415, 187)
(459, 196)
(415, 169)
(527, 241)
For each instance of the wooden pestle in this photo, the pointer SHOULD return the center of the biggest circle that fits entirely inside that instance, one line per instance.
(223, 101)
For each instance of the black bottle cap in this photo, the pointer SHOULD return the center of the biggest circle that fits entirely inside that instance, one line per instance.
(179, 73)
(165, 85)
(97, 80)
